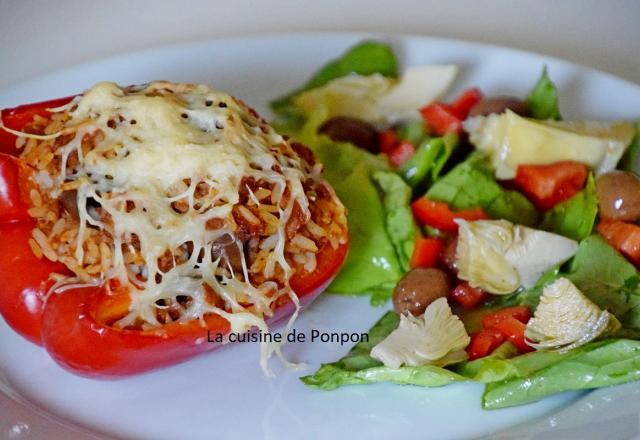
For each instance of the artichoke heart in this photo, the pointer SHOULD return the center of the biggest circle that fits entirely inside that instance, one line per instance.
(566, 319)
(376, 98)
(499, 257)
(438, 338)
(512, 140)
(352, 95)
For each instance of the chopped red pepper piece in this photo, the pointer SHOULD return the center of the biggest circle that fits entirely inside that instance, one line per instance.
(402, 153)
(467, 296)
(548, 185)
(441, 118)
(388, 141)
(439, 215)
(513, 330)
(447, 118)
(623, 236)
(483, 343)
(465, 102)
(426, 252)
(521, 313)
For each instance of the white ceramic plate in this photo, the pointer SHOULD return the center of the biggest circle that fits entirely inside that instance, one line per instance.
(224, 394)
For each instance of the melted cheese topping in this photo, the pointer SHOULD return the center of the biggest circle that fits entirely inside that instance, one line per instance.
(137, 153)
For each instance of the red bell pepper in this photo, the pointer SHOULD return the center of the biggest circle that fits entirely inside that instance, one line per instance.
(506, 324)
(465, 102)
(483, 343)
(511, 322)
(513, 330)
(19, 117)
(623, 236)
(388, 141)
(74, 326)
(521, 313)
(401, 153)
(14, 190)
(79, 342)
(467, 296)
(441, 119)
(548, 185)
(426, 252)
(439, 215)
(24, 280)
(447, 118)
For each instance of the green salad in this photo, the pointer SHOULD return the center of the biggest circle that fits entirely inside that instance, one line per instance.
(505, 236)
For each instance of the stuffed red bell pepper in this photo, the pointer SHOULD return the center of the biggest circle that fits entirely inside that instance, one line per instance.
(135, 223)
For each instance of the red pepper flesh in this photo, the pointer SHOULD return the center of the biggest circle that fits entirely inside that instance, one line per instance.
(439, 215)
(24, 280)
(467, 296)
(14, 197)
(19, 117)
(426, 252)
(483, 343)
(623, 236)
(521, 313)
(513, 330)
(548, 185)
(465, 102)
(388, 140)
(441, 119)
(401, 153)
(447, 118)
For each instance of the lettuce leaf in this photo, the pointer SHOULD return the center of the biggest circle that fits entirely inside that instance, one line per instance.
(401, 227)
(510, 380)
(425, 166)
(607, 279)
(381, 294)
(471, 184)
(542, 102)
(372, 258)
(490, 368)
(540, 374)
(372, 265)
(365, 58)
(360, 368)
(575, 217)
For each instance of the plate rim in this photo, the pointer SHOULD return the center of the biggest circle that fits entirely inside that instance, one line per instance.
(315, 34)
